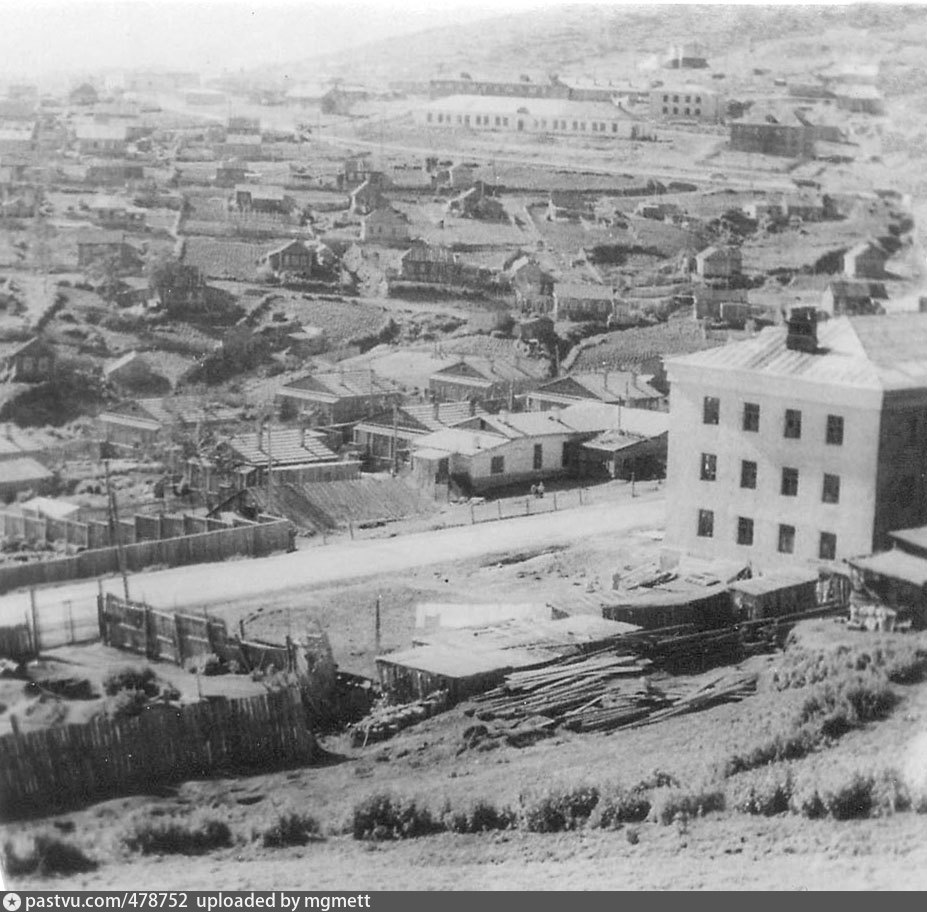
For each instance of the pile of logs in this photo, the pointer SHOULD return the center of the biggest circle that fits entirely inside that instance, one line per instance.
(385, 720)
(603, 693)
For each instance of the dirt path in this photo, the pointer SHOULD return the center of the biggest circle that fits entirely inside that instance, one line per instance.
(205, 584)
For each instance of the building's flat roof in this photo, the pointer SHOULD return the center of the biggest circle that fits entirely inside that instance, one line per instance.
(760, 585)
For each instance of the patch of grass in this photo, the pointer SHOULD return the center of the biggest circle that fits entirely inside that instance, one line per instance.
(556, 810)
(175, 836)
(383, 816)
(45, 855)
(290, 830)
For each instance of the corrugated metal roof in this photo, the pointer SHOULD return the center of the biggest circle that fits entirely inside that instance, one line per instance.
(454, 440)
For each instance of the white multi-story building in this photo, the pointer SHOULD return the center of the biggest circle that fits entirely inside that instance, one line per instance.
(803, 442)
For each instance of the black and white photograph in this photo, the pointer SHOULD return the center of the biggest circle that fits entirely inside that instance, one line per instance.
(461, 447)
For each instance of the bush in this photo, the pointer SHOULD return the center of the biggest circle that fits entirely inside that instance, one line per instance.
(289, 830)
(621, 806)
(767, 794)
(131, 677)
(669, 803)
(786, 745)
(480, 817)
(178, 837)
(556, 811)
(849, 795)
(126, 704)
(45, 855)
(383, 816)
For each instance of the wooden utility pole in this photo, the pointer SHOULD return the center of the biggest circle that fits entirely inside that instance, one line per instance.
(376, 630)
(114, 530)
(394, 455)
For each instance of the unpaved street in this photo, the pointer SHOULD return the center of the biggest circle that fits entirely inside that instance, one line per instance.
(210, 584)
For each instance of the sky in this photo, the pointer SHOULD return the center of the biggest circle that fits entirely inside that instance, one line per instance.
(45, 37)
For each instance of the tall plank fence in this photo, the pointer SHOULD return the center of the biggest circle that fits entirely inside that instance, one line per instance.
(57, 769)
(175, 637)
(222, 541)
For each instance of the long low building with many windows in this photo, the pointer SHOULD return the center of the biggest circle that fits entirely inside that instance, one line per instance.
(803, 442)
(530, 115)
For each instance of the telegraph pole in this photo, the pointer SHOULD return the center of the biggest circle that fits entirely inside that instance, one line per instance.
(115, 531)
(395, 442)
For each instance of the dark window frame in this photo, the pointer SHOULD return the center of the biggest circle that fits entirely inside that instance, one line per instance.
(786, 543)
(833, 435)
(827, 546)
(745, 531)
(708, 467)
(751, 417)
(497, 465)
(706, 524)
(830, 489)
(789, 485)
(748, 473)
(711, 410)
(792, 428)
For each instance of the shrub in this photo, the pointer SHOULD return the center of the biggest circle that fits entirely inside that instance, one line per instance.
(621, 806)
(767, 794)
(45, 855)
(384, 816)
(481, 817)
(126, 704)
(141, 678)
(786, 745)
(289, 830)
(668, 803)
(174, 836)
(555, 811)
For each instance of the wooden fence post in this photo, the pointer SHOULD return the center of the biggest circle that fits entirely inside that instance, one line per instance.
(101, 613)
(472, 520)
(178, 640)
(147, 620)
(555, 501)
(70, 605)
(36, 637)
(527, 506)
(499, 505)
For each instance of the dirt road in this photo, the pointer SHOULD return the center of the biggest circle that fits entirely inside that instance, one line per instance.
(210, 584)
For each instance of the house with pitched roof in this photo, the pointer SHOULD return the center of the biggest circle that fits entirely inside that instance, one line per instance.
(389, 436)
(802, 443)
(340, 397)
(611, 387)
(865, 261)
(385, 225)
(141, 423)
(32, 361)
(583, 301)
(292, 257)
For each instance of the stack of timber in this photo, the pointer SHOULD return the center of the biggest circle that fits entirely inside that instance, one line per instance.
(703, 692)
(387, 720)
(605, 687)
(604, 693)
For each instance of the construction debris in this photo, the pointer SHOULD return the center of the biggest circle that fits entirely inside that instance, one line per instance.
(386, 720)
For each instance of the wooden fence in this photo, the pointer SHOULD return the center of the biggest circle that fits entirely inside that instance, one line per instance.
(175, 637)
(254, 540)
(56, 769)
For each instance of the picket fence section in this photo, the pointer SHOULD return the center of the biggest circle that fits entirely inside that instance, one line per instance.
(56, 769)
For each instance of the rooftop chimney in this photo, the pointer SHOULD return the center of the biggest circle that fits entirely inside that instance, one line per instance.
(802, 332)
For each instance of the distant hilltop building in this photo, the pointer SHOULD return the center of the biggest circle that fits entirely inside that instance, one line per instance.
(767, 134)
(687, 101)
(688, 56)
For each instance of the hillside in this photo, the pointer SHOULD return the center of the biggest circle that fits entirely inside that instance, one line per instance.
(589, 40)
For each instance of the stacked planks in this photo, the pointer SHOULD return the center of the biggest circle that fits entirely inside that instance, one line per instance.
(604, 692)
(574, 692)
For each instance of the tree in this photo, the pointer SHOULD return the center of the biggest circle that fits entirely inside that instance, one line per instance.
(104, 273)
(176, 284)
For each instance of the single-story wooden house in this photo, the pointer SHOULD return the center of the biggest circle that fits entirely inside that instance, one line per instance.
(718, 262)
(32, 361)
(340, 397)
(865, 261)
(610, 387)
(583, 301)
(385, 225)
(291, 257)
